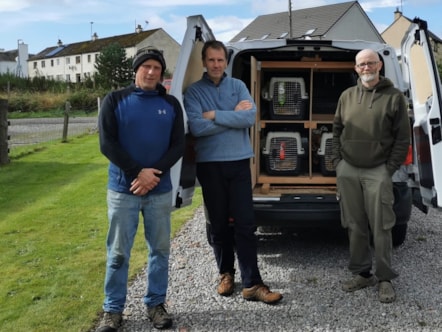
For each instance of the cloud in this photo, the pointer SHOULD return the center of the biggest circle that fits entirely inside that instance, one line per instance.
(227, 27)
(181, 3)
(369, 6)
(14, 6)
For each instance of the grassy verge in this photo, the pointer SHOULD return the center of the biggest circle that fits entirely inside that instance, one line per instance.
(53, 227)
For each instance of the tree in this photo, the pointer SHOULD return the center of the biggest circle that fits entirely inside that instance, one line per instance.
(439, 68)
(114, 69)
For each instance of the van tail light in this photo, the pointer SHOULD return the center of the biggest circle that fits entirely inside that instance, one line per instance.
(409, 158)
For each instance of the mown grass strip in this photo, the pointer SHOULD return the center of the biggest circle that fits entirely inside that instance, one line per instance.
(52, 226)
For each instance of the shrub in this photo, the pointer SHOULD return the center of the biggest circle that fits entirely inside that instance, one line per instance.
(85, 100)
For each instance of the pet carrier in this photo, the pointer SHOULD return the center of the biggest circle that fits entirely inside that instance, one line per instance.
(288, 99)
(282, 153)
(325, 155)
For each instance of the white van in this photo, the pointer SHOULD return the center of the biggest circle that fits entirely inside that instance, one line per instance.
(296, 85)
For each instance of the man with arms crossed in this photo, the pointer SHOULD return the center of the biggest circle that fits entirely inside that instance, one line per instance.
(221, 111)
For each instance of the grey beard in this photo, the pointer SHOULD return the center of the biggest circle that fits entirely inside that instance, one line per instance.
(368, 77)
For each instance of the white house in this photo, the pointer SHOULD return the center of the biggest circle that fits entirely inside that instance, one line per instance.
(76, 62)
(15, 61)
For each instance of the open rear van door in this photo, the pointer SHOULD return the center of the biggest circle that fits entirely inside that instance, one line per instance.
(189, 68)
(421, 74)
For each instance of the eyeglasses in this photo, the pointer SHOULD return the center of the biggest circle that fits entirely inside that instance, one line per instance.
(368, 64)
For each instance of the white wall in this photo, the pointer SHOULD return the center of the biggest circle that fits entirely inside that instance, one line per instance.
(19, 66)
(22, 60)
(7, 67)
(63, 67)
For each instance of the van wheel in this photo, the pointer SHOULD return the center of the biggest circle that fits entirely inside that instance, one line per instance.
(398, 234)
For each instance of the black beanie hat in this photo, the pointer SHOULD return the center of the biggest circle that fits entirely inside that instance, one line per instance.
(147, 53)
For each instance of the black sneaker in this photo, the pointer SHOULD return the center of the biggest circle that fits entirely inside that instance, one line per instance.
(159, 316)
(111, 322)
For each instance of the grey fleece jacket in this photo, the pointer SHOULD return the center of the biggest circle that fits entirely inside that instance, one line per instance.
(371, 126)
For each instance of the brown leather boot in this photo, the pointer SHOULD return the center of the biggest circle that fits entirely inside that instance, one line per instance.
(226, 284)
(261, 293)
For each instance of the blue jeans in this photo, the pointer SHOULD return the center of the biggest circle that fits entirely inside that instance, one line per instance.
(124, 215)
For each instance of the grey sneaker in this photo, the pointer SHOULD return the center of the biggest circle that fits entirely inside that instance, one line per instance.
(159, 317)
(358, 282)
(386, 292)
(111, 322)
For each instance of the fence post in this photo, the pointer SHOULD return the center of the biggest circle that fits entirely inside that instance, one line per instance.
(98, 111)
(67, 108)
(4, 150)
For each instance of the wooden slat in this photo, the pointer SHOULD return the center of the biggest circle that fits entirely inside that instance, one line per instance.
(316, 179)
(307, 64)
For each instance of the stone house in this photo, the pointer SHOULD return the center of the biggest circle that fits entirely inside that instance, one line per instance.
(394, 33)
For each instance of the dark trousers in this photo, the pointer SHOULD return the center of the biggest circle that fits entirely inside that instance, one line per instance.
(227, 194)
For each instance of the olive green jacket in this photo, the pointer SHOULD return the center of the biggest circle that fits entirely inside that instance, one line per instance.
(371, 126)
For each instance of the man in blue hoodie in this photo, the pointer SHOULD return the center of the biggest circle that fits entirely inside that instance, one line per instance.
(142, 135)
(220, 112)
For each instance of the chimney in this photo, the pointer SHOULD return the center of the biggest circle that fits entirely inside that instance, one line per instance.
(94, 36)
(138, 28)
(60, 43)
(397, 14)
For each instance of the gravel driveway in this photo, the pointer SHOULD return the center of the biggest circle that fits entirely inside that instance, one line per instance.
(307, 269)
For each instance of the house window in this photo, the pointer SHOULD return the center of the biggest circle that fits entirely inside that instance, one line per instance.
(78, 78)
(59, 77)
(96, 57)
(89, 58)
(77, 59)
(68, 61)
(52, 63)
(43, 64)
(58, 62)
(68, 77)
(35, 65)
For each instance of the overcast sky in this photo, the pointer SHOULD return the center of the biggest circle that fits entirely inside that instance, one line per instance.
(41, 23)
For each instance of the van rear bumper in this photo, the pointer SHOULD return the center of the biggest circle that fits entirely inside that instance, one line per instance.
(298, 211)
(309, 210)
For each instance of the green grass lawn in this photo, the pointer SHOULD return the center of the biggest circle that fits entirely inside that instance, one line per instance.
(53, 226)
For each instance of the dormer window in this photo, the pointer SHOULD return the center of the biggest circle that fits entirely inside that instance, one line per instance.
(309, 32)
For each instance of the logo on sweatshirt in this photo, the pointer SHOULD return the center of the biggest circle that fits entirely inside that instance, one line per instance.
(161, 111)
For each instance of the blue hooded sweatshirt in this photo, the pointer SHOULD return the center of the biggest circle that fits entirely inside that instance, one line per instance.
(140, 129)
